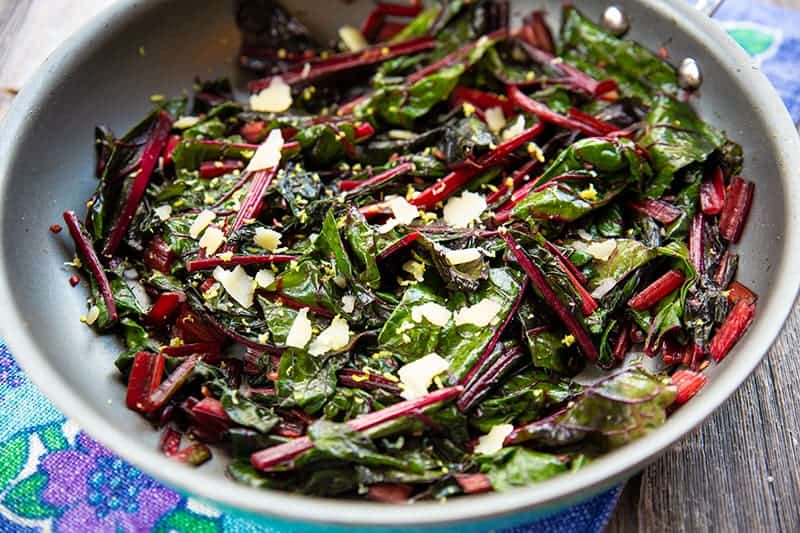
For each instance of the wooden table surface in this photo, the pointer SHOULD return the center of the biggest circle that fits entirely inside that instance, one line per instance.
(738, 472)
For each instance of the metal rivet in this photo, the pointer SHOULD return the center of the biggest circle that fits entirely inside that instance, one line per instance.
(616, 21)
(690, 77)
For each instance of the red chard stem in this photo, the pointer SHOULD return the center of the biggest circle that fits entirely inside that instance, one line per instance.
(84, 246)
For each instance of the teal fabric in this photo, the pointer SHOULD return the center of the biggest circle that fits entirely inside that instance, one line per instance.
(55, 477)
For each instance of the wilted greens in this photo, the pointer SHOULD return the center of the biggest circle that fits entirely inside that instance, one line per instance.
(390, 273)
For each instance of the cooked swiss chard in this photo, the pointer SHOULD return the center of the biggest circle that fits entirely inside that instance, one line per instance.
(390, 272)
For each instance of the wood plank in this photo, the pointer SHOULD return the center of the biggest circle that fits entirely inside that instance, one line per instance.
(738, 471)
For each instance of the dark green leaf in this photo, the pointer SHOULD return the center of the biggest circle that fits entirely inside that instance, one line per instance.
(307, 381)
(628, 255)
(522, 398)
(518, 467)
(342, 442)
(675, 137)
(637, 70)
(246, 412)
(586, 176)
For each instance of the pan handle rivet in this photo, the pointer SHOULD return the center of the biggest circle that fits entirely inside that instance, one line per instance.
(690, 77)
(616, 21)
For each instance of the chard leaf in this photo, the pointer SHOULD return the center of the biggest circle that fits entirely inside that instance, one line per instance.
(688, 200)
(136, 337)
(330, 245)
(310, 282)
(462, 277)
(637, 70)
(613, 301)
(675, 137)
(347, 404)
(547, 350)
(514, 467)
(363, 243)
(611, 413)
(402, 105)
(320, 481)
(342, 442)
(211, 128)
(668, 318)
(522, 398)
(543, 338)
(623, 407)
(247, 413)
(626, 257)
(119, 171)
(463, 345)
(586, 176)
(467, 137)
(460, 345)
(307, 381)
(325, 144)
(298, 187)
(420, 25)
(409, 339)
(189, 153)
(278, 318)
(608, 222)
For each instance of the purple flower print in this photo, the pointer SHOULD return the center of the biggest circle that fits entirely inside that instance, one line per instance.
(98, 492)
(10, 374)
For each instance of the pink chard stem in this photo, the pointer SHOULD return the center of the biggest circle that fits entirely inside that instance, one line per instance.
(266, 459)
(549, 295)
(152, 150)
(84, 246)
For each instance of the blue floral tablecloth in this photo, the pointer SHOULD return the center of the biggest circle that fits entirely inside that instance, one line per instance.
(53, 477)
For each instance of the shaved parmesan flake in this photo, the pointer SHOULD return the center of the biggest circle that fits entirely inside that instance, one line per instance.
(602, 250)
(163, 212)
(237, 283)
(495, 119)
(603, 288)
(416, 377)
(264, 278)
(348, 304)
(211, 240)
(515, 129)
(274, 99)
(306, 70)
(204, 218)
(481, 314)
(402, 135)
(92, 315)
(352, 38)
(436, 314)
(461, 211)
(269, 239)
(404, 213)
(184, 123)
(415, 268)
(492, 442)
(459, 257)
(300, 332)
(268, 154)
(334, 337)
